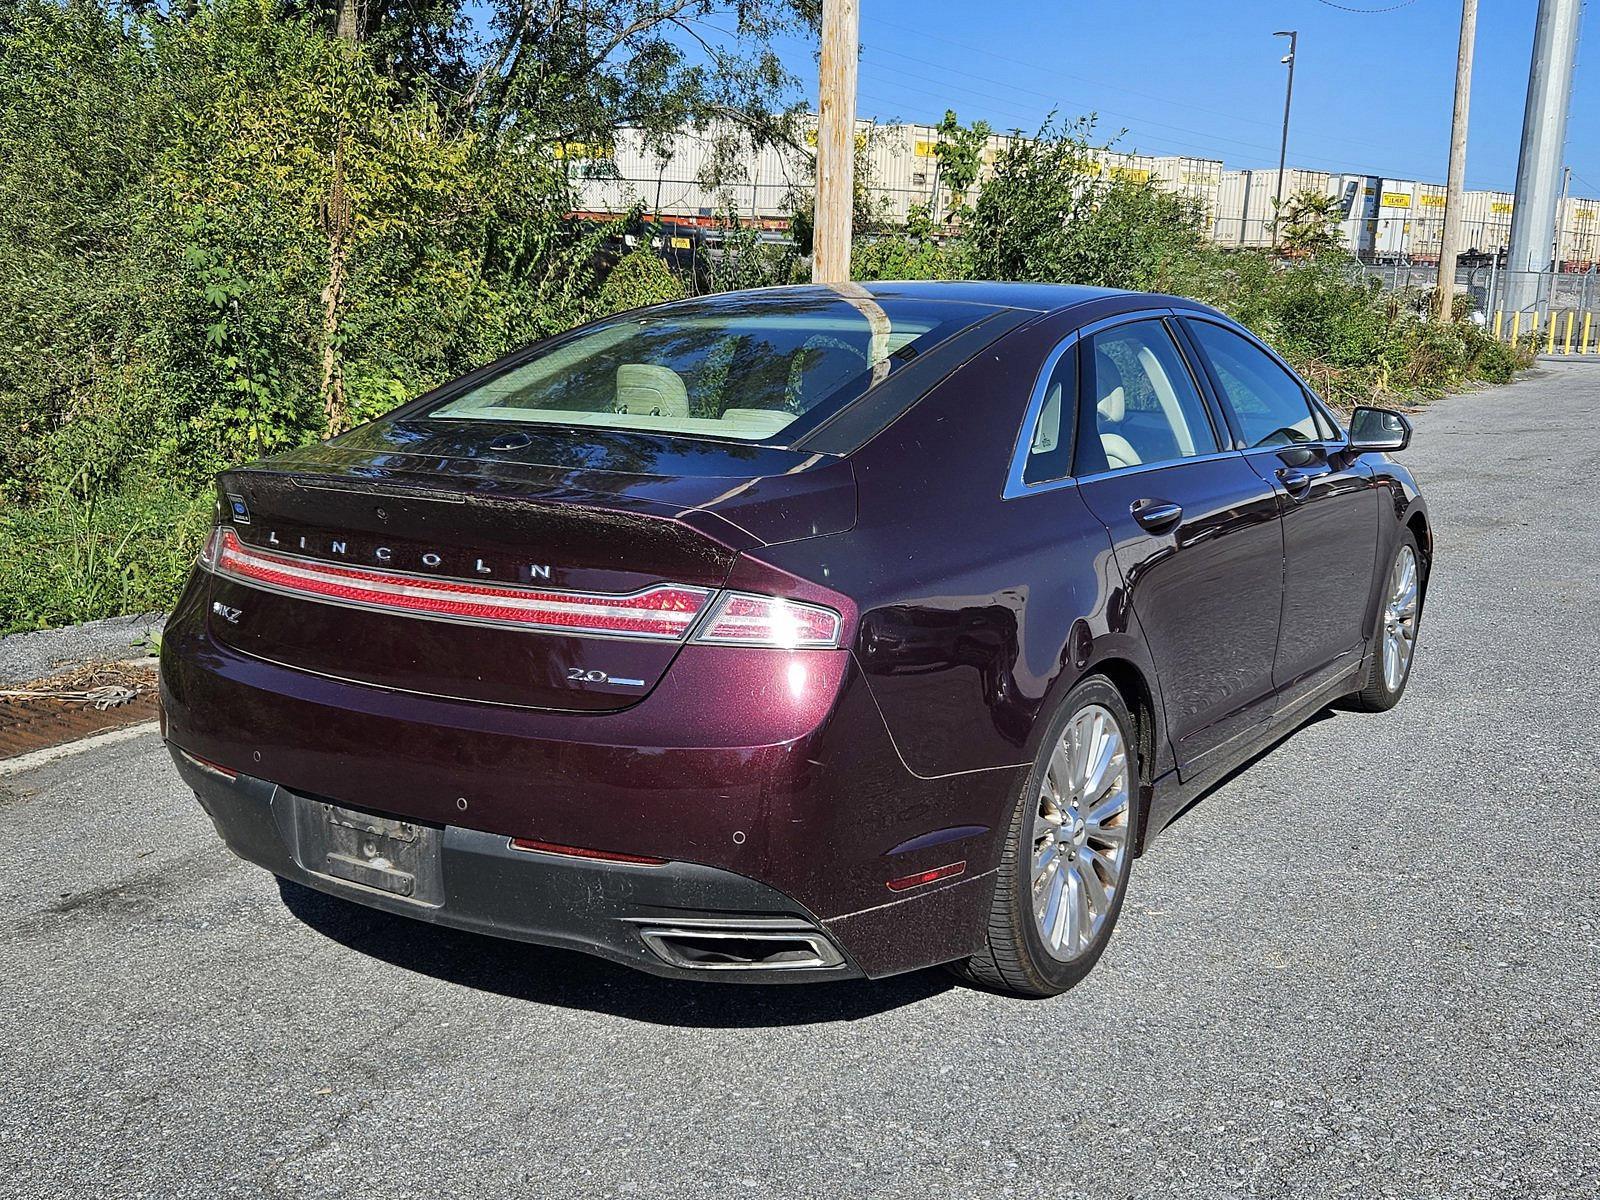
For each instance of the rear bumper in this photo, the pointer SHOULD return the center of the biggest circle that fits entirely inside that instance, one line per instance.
(650, 917)
(769, 784)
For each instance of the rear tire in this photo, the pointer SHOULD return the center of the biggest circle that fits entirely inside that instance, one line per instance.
(1068, 851)
(1394, 632)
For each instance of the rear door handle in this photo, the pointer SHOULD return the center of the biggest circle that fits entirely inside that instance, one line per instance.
(1156, 515)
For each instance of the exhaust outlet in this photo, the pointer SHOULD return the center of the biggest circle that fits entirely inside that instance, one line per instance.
(753, 945)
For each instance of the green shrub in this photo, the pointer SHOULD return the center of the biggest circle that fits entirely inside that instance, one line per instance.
(66, 559)
(908, 257)
(641, 278)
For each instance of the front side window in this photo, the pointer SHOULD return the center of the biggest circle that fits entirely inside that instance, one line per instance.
(1140, 403)
(723, 368)
(1268, 403)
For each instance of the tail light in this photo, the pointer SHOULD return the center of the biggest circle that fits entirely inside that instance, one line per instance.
(741, 619)
(208, 552)
(664, 612)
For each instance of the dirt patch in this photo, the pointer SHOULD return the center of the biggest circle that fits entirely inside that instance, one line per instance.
(63, 708)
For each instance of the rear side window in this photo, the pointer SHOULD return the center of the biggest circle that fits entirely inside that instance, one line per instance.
(743, 368)
(1140, 402)
(1268, 404)
(1050, 444)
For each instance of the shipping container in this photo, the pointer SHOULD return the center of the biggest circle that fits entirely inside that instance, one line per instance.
(1397, 209)
(1245, 202)
(1486, 222)
(1197, 179)
(1358, 206)
(1579, 245)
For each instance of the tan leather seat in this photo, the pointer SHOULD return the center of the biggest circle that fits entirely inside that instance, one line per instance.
(649, 390)
(755, 420)
(1109, 412)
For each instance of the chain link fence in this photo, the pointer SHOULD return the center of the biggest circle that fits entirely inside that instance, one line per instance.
(1554, 312)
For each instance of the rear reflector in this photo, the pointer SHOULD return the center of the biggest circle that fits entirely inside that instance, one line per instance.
(745, 620)
(206, 765)
(948, 871)
(579, 852)
(663, 612)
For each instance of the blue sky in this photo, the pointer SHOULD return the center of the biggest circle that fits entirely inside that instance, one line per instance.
(1372, 90)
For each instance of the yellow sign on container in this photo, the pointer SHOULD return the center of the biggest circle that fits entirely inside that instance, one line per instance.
(1396, 200)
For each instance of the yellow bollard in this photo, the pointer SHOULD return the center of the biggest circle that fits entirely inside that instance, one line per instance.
(1566, 342)
(1533, 330)
(1583, 346)
(1516, 327)
(1550, 336)
(1498, 318)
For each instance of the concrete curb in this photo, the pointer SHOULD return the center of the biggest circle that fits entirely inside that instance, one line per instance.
(25, 656)
(107, 737)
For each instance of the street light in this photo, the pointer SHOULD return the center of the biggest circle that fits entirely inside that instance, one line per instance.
(1283, 148)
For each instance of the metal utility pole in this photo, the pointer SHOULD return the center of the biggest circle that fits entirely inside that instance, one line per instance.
(1544, 135)
(1283, 147)
(1455, 185)
(836, 138)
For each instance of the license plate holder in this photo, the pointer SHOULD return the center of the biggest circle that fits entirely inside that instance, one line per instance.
(384, 854)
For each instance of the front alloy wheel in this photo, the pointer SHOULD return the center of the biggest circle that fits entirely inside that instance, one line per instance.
(1400, 618)
(1394, 636)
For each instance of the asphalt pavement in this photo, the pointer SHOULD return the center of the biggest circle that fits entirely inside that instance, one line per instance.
(1367, 965)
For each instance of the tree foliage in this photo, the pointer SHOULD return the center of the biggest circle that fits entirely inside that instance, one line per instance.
(1058, 209)
(1308, 223)
(224, 230)
(959, 153)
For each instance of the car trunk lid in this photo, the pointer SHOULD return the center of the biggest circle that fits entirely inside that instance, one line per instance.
(415, 559)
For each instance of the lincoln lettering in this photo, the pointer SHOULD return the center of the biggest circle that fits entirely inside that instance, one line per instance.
(430, 560)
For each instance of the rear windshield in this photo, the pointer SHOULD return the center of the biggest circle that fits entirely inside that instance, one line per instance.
(723, 367)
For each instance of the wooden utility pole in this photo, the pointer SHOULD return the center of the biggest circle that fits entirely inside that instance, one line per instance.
(338, 218)
(1450, 246)
(836, 142)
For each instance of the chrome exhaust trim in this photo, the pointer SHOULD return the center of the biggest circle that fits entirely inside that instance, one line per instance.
(755, 944)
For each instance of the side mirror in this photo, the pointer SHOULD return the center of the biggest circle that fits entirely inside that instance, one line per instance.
(1378, 429)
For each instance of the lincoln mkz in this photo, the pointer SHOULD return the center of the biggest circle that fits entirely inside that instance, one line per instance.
(798, 634)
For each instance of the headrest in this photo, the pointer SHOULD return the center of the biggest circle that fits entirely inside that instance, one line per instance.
(1114, 406)
(1113, 402)
(648, 390)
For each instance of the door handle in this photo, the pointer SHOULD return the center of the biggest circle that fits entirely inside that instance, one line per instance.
(1297, 480)
(1156, 515)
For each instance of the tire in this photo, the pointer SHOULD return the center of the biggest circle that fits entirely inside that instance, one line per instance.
(1396, 617)
(1017, 958)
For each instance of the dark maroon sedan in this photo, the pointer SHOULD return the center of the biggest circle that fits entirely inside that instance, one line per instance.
(795, 634)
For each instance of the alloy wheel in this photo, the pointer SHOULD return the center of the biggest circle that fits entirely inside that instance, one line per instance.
(1080, 833)
(1400, 619)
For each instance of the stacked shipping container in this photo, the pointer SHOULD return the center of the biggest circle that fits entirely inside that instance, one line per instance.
(699, 174)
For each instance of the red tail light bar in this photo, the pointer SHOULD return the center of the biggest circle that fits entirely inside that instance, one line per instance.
(665, 612)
